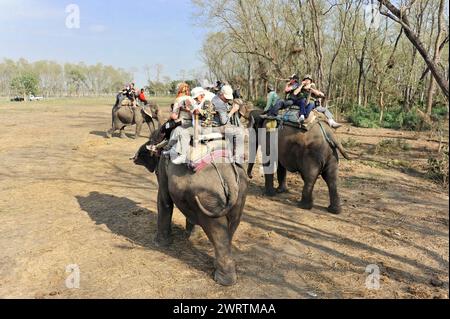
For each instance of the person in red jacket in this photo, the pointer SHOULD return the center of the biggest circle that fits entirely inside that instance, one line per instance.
(142, 97)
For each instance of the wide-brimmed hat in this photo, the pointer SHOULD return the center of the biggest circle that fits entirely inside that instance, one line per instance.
(196, 92)
(294, 77)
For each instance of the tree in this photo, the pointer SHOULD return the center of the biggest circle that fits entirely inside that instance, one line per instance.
(25, 85)
(401, 17)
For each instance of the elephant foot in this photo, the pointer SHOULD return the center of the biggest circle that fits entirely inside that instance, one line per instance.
(123, 136)
(305, 205)
(282, 190)
(108, 134)
(336, 210)
(270, 193)
(193, 234)
(225, 279)
(162, 242)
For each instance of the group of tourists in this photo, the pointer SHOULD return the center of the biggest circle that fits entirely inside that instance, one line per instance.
(217, 107)
(202, 108)
(133, 94)
(303, 95)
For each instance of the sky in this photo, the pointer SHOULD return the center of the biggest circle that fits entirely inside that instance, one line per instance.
(127, 34)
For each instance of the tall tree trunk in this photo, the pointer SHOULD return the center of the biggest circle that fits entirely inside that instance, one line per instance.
(400, 17)
(436, 57)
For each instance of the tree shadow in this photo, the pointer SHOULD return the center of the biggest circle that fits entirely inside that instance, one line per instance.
(124, 217)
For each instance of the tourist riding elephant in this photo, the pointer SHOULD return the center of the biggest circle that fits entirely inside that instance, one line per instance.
(123, 116)
(212, 198)
(311, 153)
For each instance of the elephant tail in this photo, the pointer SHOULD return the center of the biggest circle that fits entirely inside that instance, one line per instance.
(213, 214)
(341, 148)
(333, 142)
(230, 195)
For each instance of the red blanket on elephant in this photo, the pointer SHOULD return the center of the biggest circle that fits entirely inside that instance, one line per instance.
(218, 156)
(211, 152)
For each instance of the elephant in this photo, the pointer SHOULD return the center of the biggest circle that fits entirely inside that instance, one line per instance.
(123, 116)
(213, 198)
(311, 153)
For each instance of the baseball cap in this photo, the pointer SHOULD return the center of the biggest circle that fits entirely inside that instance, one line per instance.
(227, 92)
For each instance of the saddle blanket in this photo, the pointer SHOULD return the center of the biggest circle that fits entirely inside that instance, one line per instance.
(207, 152)
(221, 156)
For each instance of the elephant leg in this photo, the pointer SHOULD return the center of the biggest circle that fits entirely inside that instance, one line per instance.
(309, 176)
(252, 156)
(138, 130)
(165, 211)
(269, 189)
(217, 231)
(330, 175)
(122, 132)
(151, 127)
(250, 170)
(282, 182)
(191, 230)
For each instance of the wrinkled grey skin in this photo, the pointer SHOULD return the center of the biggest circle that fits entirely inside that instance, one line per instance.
(202, 199)
(123, 116)
(309, 154)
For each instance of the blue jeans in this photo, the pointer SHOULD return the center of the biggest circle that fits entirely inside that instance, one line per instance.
(281, 104)
(306, 109)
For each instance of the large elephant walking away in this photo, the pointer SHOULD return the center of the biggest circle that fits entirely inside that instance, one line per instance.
(312, 153)
(213, 198)
(125, 115)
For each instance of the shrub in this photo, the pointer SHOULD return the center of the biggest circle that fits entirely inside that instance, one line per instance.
(393, 118)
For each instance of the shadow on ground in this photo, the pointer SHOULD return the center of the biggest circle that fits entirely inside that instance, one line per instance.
(126, 218)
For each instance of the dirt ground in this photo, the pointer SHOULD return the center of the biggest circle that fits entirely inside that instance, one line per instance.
(70, 196)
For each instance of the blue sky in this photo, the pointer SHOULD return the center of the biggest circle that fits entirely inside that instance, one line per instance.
(164, 29)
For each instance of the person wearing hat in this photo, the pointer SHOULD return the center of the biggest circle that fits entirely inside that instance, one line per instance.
(308, 96)
(227, 121)
(203, 104)
(222, 106)
(289, 100)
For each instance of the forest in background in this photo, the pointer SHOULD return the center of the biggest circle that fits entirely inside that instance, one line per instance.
(372, 66)
(52, 79)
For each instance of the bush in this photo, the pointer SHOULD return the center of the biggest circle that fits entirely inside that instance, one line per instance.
(393, 118)
(364, 117)
(438, 168)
